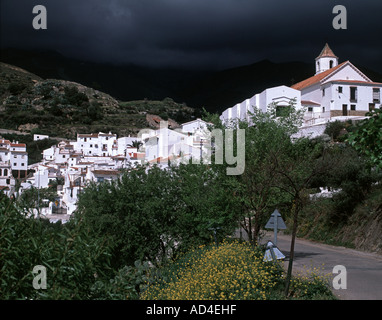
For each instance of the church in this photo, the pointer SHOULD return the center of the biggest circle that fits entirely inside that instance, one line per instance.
(335, 90)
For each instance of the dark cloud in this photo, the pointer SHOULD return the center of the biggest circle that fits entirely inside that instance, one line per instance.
(196, 33)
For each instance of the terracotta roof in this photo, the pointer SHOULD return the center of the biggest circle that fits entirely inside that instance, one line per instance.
(317, 78)
(327, 52)
(18, 145)
(88, 135)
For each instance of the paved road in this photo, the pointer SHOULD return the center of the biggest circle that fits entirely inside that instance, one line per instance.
(364, 270)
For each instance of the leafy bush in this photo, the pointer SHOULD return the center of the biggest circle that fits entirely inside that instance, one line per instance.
(73, 259)
(311, 285)
(74, 97)
(16, 87)
(334, 128)
(151, 214)
(125, 285)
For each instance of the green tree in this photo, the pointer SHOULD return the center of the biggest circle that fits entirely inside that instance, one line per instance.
(135, 144)
(267, 139)
(151, 214)
(367, 138)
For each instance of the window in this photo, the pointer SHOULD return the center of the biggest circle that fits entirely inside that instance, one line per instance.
(15, 156)
(310, 109)
(63, 156)
(376, 95)
(339, 89)
(331, 64)
(352, 107)
(323, 92)
(100, 179)
(86, 139)
(15, 164)
(91, 146)
(353, 93)
(5, 173)
(23, 164)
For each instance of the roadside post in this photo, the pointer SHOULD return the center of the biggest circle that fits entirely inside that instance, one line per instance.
(276, 223)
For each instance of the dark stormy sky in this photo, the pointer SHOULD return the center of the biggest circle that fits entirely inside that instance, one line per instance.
(197, 33)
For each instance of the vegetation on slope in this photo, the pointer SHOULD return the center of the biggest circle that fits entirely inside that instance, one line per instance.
(63, 109)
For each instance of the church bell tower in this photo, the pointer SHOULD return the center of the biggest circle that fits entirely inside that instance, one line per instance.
(326, 60)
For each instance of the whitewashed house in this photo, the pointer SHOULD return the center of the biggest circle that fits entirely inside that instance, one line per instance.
(336, 90)
(280, 95)
(37, 137)
(7, 182)
(19, 159)
(165, 145)
(97, 144)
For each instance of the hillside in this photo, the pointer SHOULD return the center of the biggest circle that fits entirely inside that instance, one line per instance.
(214, 90)
(63, 108)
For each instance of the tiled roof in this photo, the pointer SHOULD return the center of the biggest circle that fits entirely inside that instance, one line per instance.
(327, 52)
(18, 145)
(317, 78)
(88, 135)
(110, 172)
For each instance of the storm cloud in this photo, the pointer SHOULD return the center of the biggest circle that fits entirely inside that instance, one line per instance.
(196, 33)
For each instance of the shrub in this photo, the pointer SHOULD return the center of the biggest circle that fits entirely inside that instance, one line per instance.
(16, 88)
(73, 260)
(311, 285)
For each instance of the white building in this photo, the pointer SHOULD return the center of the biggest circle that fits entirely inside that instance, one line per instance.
(165, 145)
(37, 137)
(280, 95)
(336, 90)
(19, 159)
(97, 144)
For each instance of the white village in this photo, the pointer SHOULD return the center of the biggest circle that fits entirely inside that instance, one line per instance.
(337, 91)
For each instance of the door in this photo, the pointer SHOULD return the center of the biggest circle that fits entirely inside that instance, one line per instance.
(344, 109)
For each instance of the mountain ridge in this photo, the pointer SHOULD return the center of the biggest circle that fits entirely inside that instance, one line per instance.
(213, 90)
